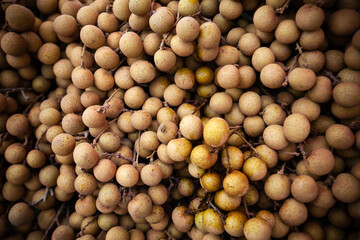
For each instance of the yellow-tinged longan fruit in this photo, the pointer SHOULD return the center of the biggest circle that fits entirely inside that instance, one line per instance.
(216, 132)
(209, 35)
(48, 53)
(236, 183)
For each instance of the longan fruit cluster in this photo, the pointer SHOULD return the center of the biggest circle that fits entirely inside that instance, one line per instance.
(183, 119)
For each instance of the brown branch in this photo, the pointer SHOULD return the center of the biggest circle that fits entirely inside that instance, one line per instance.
(56, 220)
(283, 8)
(299, 48)
(330, 75)
(82, 62)
(116, 155)
(94, 142)
(106, 103)
(249, 144)
(32, 103)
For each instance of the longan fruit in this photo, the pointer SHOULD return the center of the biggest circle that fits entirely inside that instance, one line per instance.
(216, 132)
(228, 76)
(345, 94)
(255, 168)
(48, 53)
(273, 114)
(180, 47)
(227, 55)
(85, 155)
(109, 195)
(140, 206)
(127, 175)
(320, 162)
(254, 126)
(131, 45)
(162, 20)
(265, 18)
(106, 58)
(274, 137)
(302, 79)
(312, 40)
(346, 188)
(234, 35)
(315, 60)
(191, 127)
(257, 228)
(250, 103)
(209, 35)
(304, 189)
(179, 149)
(165, 59)
(17, 174)
(236, 183)
(230, 9)
(272, 76)
(107, 22)
(19, 18)
(187, 29)
(339, 136)
(296, 128)
(13, 44)
(151, 175)
(92, 118)
(139, 7)
(262, 57)
(65, 25)
(15, 153)
(20, 214)
(309, 17)
(287, 31)
(344, 22)
(87, 15)
(142, 71)
(92, 36)
(293, 212)
(139, 23)
(121, 9)
(17, 125)
(212, 222)
(207, 54)
(223, 23)
(77, 57)
(221, 102)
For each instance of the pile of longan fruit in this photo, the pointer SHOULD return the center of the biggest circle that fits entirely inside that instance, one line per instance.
(180, 119)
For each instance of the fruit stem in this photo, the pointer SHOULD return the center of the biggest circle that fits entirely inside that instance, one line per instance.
(283, 8)
(249, 144)
(82, 63)
(329, 74)
(106, 104)
(32, 103)
(56, 220)
(299, 48)
(94, 142)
